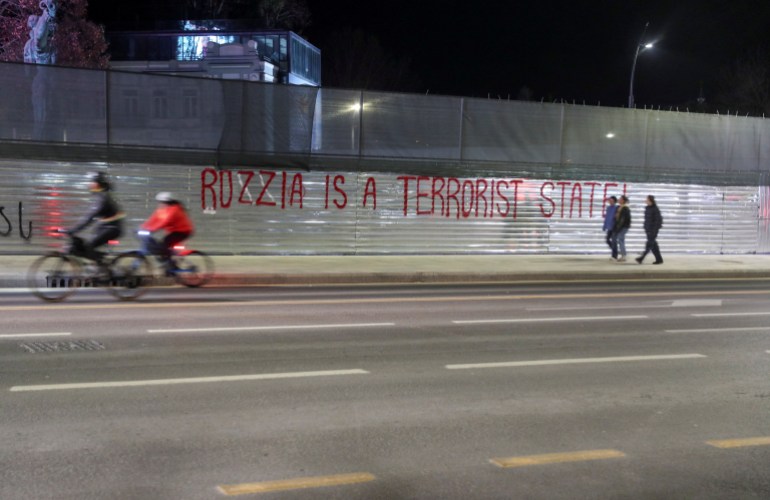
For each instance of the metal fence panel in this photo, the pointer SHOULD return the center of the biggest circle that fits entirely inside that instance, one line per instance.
(145, 111)
(52, 104)
(604, 136)
(507, 131)
(699, 142)
(411, 126)
(267, 211)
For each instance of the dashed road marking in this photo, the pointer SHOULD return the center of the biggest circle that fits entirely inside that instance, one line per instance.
(726, 330)
(728, 315)
(277, 327)
(25, 335)
(556, 458)
(545, 362)
(740, 443)
(192, 380)
(294, 484)
(544, 320)
(697, 303)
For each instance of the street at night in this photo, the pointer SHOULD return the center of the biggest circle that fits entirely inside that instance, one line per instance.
(574, 390)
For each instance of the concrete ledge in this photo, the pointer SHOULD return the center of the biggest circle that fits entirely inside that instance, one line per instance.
(340, 269)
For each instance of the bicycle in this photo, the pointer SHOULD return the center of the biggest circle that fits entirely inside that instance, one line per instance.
(191, 268)
(57, 275)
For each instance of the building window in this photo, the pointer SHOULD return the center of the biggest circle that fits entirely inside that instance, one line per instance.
(159, 104)
(190, 103)
(131, 102)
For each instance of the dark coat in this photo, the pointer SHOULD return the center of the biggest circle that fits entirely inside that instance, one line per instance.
(622, 218)
(653, 221)
(104, 211)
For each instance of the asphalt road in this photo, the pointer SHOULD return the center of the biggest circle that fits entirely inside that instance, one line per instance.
(580, 390)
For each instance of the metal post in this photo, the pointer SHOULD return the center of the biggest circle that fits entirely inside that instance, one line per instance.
(633, 67)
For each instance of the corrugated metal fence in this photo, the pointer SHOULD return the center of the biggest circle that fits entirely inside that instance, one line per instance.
(285, 169)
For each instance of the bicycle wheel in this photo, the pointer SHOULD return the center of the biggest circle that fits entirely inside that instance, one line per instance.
(130, 273)
(194, 269)
(54, 277)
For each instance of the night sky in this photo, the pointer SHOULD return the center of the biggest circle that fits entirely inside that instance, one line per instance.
(578, 51)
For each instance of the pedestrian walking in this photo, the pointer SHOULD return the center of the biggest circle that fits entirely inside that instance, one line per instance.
(609, 221)
(653, 221)
(621, 227)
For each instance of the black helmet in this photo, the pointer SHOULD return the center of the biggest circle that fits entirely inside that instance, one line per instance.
(100, 178)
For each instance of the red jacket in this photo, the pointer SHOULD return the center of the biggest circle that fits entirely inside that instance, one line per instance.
(171, 218)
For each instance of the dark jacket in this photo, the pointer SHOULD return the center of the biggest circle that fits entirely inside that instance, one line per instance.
(105, 211)
(622, 218)
(653, 221)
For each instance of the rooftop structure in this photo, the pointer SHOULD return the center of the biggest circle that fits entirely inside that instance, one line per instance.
(218, 49)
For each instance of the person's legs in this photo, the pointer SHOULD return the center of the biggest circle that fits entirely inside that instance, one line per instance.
(171, 240)
(656, 252)
(647, 248)
(622, 244)
(102, 237)
(174, 239)
(614, 245)
(150, 246)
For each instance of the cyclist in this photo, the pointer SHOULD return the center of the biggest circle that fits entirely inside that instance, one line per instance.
(105, 213)
(171, 217)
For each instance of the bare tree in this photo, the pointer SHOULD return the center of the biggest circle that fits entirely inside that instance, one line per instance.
(212, 9)
(745, 86)
(353, 59)
(293, 15)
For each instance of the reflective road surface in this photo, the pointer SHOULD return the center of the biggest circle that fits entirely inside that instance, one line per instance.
(561, 390)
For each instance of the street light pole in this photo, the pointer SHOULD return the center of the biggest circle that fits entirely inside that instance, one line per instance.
(639, 47)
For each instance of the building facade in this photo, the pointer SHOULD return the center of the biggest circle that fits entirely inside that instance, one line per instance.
(218, 49)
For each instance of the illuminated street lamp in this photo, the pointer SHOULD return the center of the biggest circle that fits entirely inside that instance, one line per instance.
(641, 46)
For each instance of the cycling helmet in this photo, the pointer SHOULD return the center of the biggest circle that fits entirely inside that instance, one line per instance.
(100, 178)
(165, 197)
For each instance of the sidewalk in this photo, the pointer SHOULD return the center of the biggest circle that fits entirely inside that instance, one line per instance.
(300, 270)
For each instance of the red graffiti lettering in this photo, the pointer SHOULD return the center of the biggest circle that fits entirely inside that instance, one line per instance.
(296, 189)
(208, 186)
(370, 190)
(452, 195)
(548, 199)
(436, 193)
(422, 194)
(481, 190)
(229, 175)
(265, 186)
(245, 186)
(338, 182)
(406, 179)
(577, 194)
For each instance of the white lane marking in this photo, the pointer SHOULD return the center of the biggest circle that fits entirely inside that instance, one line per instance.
(715, 330)
(543, 320)
(193, 380)
(387, 300)
(19, 335)
(278, 327)
(724, 315)
(697, 303)
(544, 362)
(601, 308)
